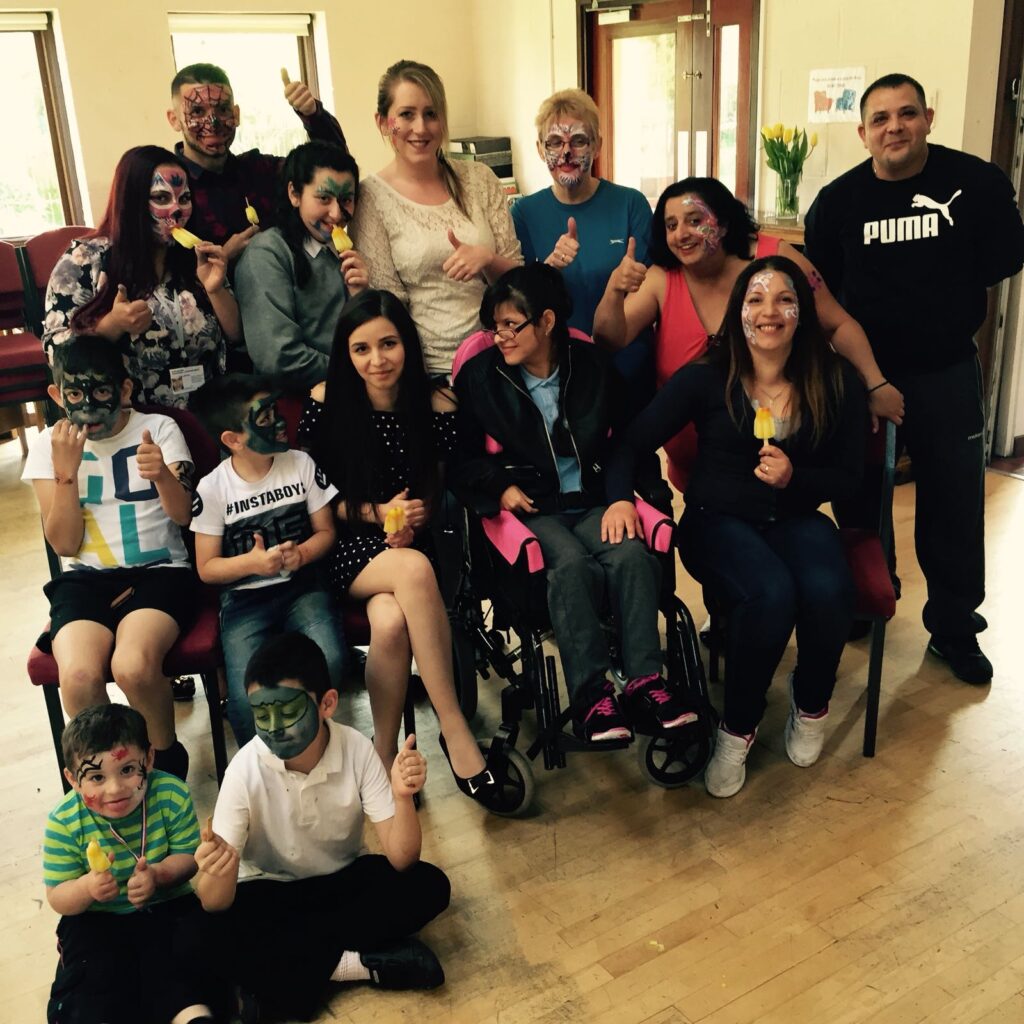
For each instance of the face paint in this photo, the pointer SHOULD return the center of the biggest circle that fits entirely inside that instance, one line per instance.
(170, 201)
(286, 719)
(762, 287)
(568, 153)
(93, 402)
(113, 783)
(325, 201)
(707, 227)
(267, 431)
(208, 117)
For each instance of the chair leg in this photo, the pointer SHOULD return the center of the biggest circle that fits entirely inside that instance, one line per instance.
(409, 714)
(220, 751)
(55, 713)
(874, 686)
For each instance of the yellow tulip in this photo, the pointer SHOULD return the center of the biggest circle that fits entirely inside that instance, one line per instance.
(777, 130)
(787, 136)
(766, 132)
(814, 139)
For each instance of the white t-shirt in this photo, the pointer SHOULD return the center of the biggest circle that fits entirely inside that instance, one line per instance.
(125, 524)
(278, 507)
(287, 825)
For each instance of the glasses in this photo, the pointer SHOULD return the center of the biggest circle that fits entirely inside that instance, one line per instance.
(578, 144)
(509, 333)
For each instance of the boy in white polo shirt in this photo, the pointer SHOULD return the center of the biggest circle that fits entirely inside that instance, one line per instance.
(292, 802)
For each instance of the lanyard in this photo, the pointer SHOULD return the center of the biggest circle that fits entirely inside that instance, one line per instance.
(142, 848)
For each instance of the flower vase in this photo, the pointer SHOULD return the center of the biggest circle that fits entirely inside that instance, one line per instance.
(787, 202)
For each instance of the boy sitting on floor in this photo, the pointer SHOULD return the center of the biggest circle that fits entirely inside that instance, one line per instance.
(114, 488)
(293, 802)
(123, 900)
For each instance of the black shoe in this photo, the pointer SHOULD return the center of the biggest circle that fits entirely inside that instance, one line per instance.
(174, 760)
(964, 657)
(407, 963)
(183, 688)
(482, 787)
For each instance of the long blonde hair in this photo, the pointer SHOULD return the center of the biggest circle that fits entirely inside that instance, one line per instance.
(430, 82)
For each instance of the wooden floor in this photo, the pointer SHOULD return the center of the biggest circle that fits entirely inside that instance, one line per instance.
(888, 891)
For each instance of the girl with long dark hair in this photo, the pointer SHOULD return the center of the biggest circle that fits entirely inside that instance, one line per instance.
(379, 430)
(167, 307)
(292, 280)
(751, 532)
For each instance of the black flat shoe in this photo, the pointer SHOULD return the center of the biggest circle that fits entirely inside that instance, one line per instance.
(405, 964)
(482, 787)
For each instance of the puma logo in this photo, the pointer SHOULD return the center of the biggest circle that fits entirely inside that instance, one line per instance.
(921, 200)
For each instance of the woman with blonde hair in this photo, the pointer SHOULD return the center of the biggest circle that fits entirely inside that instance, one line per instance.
(434, 232)
(581, 224)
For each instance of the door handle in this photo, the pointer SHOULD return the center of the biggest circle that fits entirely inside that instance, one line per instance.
(692, 74)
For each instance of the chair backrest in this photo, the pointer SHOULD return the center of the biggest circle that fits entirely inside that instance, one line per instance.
(39, 256)
(12, 293)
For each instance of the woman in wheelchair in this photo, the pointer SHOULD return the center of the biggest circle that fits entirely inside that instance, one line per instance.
(379, 431)
(549, 401)
(781, 423)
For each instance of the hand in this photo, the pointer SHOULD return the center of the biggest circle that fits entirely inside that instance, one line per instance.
(101, 885)
(264, 561)
(402, 538)
(774, 469)
(211, 267)
(409, 770)
(214, 856)
(129, 317)
(886, 403)
(235, 245)
(416, 512)
(67, 442)
(467, 261)
(629, 274)
(300, 98)
(566, 247)
(292, 558)
(142, 884)
(354, 272)
(149, 459)
(515, 500)
(621, 517)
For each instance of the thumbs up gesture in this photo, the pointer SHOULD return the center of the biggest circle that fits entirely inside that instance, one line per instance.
(127, 317)
(409, 770)
(300, 99)
(265, 561)
(629, 274)
(215, 856)
(149, 459)
(142, 884)
(467, 261)
(566, 247)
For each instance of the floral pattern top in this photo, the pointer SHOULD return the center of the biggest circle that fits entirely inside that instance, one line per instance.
(182, 333)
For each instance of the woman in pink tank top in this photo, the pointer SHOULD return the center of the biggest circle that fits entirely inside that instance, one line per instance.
(702, 237)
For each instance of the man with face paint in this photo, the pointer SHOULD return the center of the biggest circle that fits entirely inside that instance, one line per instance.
(292, 804)
(262, 519)
(911, 239)
(114, 488)
(118, 963)
(204, 112)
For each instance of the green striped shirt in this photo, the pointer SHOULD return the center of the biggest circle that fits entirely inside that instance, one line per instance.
(171, 827)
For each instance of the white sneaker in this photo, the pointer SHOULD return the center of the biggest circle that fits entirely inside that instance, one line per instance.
(805, 735)
(727, 770)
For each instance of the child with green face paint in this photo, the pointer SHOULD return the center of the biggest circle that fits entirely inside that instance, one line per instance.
(292, 281)
(292, 804)
(261, 519)
(114, 489)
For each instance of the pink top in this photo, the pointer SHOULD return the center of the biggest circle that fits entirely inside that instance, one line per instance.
(679, 340)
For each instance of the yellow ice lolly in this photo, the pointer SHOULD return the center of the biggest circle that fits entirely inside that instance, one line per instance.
(250, 214)
(284, 76)
(339, 236)
(185, 238)
(98, 860)
(764, 424)
(394, 519)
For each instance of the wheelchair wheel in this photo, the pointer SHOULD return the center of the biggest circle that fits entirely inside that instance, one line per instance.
(517, 785)
(672, 759)
(464, 665)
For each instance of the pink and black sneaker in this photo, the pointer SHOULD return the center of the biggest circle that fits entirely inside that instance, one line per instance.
(604, 720)
(649, 697)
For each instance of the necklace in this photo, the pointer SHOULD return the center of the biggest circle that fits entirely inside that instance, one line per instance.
(142, 846)
(772, 399)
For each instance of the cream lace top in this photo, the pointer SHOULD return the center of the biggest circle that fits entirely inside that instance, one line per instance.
(405, 245)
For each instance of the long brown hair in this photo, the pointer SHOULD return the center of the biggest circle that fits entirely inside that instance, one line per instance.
(812, 368)
(430, 82)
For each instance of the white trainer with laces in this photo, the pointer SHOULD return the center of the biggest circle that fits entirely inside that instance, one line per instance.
(805, 734)
(727, 770)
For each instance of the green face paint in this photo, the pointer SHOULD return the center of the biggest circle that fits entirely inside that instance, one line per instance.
(286, 719)
(343, 191)
(267, 431)
(93, 402)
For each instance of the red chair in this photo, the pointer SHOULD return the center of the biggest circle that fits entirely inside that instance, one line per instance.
(197, 651)
(38, 256)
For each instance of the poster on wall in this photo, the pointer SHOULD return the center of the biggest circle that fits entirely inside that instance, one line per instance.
(833, 94)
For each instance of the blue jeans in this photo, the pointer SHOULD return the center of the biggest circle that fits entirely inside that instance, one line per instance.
(249, 617)
(770, 577)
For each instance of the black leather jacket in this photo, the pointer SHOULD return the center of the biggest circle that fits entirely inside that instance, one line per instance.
(493, 401)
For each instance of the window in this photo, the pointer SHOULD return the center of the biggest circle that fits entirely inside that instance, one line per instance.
(252, 49)
(38, 190)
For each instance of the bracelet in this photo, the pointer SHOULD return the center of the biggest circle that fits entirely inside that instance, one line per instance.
(877, 386)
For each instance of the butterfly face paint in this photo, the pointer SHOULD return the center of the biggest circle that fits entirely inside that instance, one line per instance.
(568, 152)
(267, 430)
(286, 719)
(771, 310)
(208, 118)
(170, 201)
(92, 402)
(113, 782)
(327, 200)
(692, 230)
